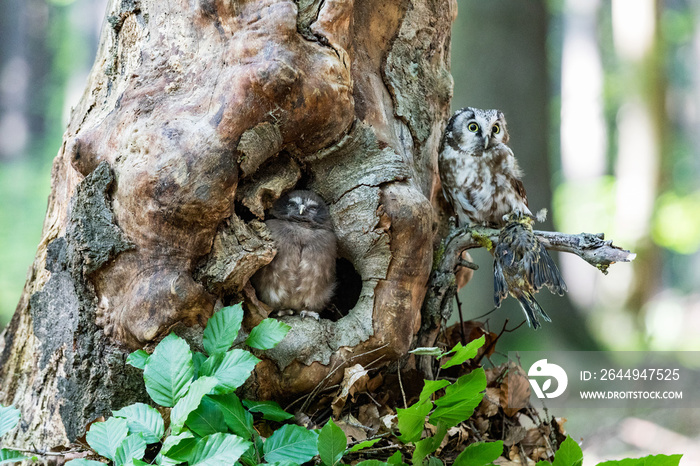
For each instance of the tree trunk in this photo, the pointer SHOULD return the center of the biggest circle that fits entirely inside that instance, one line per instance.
(196, 117)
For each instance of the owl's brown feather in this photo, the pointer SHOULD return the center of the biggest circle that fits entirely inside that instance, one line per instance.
(301, 277)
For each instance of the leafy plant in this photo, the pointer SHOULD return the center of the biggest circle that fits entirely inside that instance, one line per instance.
(9, 417)
(209, 425)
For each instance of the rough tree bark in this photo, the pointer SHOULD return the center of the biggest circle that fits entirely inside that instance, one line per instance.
(197, 115)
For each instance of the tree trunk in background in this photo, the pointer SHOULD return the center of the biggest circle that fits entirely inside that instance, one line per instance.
(196, 116)
(500, 54)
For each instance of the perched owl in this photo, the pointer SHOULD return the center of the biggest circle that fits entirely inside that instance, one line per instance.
(301, 277)
(481, 180)
(480, 176)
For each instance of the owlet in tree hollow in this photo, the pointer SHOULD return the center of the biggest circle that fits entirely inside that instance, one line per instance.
(301, 277)
(481, 180)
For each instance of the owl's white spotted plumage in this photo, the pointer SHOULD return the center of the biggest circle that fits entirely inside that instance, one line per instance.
(481, 181)
(480, 176)
(301, 277)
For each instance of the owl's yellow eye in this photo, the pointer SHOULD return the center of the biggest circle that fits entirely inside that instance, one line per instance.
(473, 127)
(496, 128)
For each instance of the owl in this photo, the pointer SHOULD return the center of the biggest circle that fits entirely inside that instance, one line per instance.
(480, 176)
(481, 181)
(301, 277)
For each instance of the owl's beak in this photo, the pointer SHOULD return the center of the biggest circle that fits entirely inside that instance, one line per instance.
(302, 208)
(486, 142)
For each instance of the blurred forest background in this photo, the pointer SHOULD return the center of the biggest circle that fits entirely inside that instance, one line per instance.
(602, 99)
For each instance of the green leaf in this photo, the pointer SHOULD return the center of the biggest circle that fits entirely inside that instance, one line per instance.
(291, 443)
(569, 454)
(270, 410)
(197, 360)
(396, 459)
(233, 370)
(9, 417)
(428, 351)
(176, 449)
(135, 462)
(236, 417)
(169, 371)
(222, 329)
(143, 419)
(432, 461)
(429, 445)
(430, 387)
(83, 462)
(651, 460)
(412, 420)
(218, 450)
(363, 445)
(132, 448)
(138, 359)
(331, 444)
(464, 353)
(12, 456)
(207, 419)
(479, 454)
(190, 402)
(371, 463)
(210, 365)
(105, 437)
(460, 399)
(267, 334)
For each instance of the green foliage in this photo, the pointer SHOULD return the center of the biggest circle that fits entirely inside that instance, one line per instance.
(464, 353)
(190, 402)
(169, 371)
(11, 456)
(144, 420)
(479, 454)
(267, 334)
(222, 329)
(652, 460)
(218, 450)
(231, 369)
(331, 444)
(138, 359)
(569, 454)
(291, 443)
(211, 426)
(363, 445)
(270, 410)
(106, 437)
(460, 399)
(9, 417)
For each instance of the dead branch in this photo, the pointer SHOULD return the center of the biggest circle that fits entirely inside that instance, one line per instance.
(593, 248)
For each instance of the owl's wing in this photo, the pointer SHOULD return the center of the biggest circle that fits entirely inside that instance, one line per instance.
(519, 188)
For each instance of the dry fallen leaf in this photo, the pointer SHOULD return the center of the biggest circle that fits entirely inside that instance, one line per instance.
(515, 391)
(355, 380)
(490, 402)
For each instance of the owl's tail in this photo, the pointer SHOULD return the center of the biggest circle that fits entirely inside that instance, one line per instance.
(532, 309)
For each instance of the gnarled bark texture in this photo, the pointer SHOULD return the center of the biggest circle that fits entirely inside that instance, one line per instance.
(196, 117)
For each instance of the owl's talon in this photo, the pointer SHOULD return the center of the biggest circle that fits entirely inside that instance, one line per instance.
(284, 312)
(304, 314)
